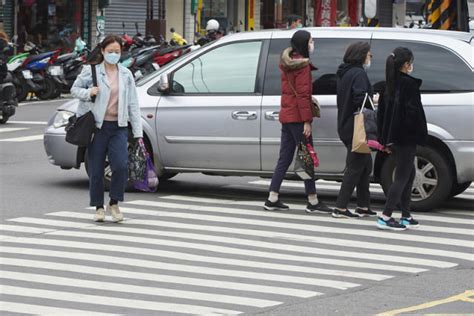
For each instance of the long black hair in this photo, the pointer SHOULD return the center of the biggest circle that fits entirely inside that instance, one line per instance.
(395, 62)
(299, 42)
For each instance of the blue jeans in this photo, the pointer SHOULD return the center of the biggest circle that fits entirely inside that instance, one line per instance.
(110, 141)
(291, 135)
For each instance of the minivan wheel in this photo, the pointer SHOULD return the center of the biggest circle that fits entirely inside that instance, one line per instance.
(433, 180)
(459, 188)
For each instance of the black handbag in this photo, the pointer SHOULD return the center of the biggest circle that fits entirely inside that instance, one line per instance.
(80, 130)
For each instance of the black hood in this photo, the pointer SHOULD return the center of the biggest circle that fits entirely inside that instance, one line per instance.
(343, 68)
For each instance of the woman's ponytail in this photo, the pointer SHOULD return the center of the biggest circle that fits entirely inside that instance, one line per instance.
(393, 65)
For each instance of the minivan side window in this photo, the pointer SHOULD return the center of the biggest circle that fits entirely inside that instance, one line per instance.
(440, 69)
(327, 56)
(227, 69)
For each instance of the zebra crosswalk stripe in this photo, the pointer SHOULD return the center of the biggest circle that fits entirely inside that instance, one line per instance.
(178, 267)
(35, 309)
(135, 289)
(166, 222)
(423, 227)
(252, 288)
(115, 301)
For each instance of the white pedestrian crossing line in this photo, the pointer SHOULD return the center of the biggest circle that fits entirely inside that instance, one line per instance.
(134, 289)
(45, 310)
(116, 301)
(23, 139)
(204, 246)
(437, 229)
(12, 129)
(232, 242)
(140, 263)
(28, 122)
(335, 186)
(252, 288)
(183, 256)
(167, 223)
(304, 227)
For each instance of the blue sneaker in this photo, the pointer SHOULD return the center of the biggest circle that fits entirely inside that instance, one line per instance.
(391, 224)
(409, 222)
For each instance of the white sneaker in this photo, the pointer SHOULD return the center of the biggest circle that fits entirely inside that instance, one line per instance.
(99, 215)
(114, 210)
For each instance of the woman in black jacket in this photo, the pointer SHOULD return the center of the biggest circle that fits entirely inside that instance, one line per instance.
(352, 86)
(401, 127)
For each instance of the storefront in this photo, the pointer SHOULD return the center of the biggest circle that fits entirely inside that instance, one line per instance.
(52, 24)
(274, 13)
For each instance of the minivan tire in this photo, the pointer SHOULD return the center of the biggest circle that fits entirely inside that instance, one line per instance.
(440, 171)
(459, 188)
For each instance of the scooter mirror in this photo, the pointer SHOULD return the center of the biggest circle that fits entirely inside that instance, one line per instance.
(164, 86)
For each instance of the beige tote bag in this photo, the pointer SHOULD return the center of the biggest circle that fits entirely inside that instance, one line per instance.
(359, 138)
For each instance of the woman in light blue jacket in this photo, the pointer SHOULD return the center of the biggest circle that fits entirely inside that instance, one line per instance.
(115, 105)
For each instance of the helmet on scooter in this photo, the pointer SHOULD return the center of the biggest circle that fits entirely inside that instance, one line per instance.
(212, 26)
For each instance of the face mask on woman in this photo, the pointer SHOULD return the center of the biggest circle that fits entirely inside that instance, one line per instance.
(311, 48)
(367, 66)
(410, 70)
(112, 58)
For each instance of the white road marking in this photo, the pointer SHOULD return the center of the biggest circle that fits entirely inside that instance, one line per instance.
(45, 310)
(23, 139)
(12, 129)
(111, 301)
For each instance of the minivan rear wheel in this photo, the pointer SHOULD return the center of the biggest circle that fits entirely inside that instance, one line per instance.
(433, 180)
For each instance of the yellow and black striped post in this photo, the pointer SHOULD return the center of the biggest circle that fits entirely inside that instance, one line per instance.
(442, 14)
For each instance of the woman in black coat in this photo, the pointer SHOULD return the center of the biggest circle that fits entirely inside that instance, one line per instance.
(401, 127)
(352, 86)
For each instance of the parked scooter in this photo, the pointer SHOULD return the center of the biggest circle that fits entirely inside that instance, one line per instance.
(7, 90)
(46, 76)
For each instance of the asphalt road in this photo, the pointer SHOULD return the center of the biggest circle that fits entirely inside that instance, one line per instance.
(203, 245)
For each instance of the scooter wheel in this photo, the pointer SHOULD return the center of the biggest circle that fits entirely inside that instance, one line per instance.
(21, 91)
(48, 89)
(4, 119)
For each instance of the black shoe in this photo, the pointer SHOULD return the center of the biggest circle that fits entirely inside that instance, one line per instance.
(365, 213)
(318, 208)
(391, 224)
(344, 214)
(409, 222)
(275, 206)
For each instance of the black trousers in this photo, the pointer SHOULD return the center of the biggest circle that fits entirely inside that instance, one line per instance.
(357, 174)
(400, 191)
(291, 135)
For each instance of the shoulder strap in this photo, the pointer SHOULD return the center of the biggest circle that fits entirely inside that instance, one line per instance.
(94, 81)
(290, 84)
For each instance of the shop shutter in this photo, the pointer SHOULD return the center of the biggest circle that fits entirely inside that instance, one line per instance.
(128, 12)
(6, 14)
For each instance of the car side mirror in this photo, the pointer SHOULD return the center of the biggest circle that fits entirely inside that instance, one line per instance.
(164, 86)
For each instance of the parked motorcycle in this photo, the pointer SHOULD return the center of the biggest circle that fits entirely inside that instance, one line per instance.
(42, 72)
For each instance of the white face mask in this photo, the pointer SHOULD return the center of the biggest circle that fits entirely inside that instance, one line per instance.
(367, 66)
(410, 70)
(311, 48)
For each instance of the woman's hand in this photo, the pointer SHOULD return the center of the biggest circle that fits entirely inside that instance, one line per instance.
(307, 129)
(94, 91)
(376, 98)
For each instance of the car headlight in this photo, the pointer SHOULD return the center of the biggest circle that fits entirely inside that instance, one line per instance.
(62, 118)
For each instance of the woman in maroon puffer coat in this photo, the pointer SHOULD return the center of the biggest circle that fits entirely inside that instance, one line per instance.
(295, 117)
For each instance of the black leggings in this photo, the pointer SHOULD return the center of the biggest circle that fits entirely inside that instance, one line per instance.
(400, 190)
(357, 174)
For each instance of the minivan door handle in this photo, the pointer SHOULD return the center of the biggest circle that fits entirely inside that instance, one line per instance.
(244, 115)
(272, 115)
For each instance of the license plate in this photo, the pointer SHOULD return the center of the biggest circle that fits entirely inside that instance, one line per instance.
(55, 70)
(27, 74)
(156, 66)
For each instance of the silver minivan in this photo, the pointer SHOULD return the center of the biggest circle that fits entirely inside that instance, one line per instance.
(219, 114)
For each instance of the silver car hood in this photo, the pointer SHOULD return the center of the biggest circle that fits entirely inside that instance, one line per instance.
(70, 106)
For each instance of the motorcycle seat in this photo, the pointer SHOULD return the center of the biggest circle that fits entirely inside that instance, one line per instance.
(66, 57)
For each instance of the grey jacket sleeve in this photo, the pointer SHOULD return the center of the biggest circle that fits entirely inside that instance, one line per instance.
(134, 109)
(81, 87)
